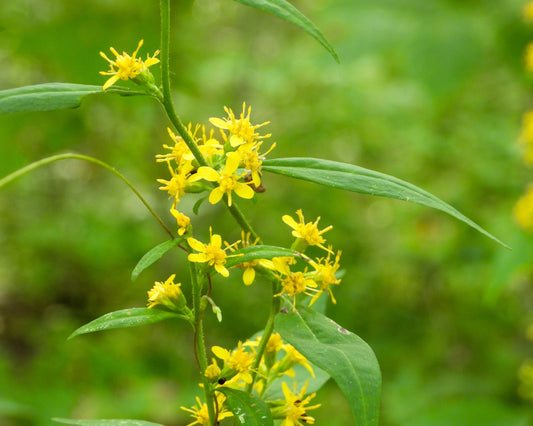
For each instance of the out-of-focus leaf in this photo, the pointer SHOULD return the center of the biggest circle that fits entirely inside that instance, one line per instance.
(52, 96)
(106, 422)
(125, 318)
(342, 354)
(246, 254)
(284, 10)
(358, 179)
(247, 410)
(154, 255)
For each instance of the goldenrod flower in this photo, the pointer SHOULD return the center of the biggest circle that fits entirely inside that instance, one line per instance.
(526, 137)
(306, 233)
(251, 159)
(126, 67)
(180, 148)
(211, 253)
(292, 283)
(238, 361)
(523, 210)
(294, 410)
(292, 358)
(227, 180)
(324, 275)
(240, 129)
(182, 221)
(213, 370)
(201, 413)
(167, 294)
(177, 185)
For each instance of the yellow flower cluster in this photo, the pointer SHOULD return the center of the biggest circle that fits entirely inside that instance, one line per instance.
(277, 362)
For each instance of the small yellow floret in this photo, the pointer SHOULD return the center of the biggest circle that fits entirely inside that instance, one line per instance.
(307, 232)
(523, 210)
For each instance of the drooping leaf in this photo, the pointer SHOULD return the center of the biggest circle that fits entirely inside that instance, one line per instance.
(106, 422)
(125, 318)
(342, 354)
(52, 96)
(358, 179)
(246, 254)
(154, 255)
(284, 10)
(247, 410)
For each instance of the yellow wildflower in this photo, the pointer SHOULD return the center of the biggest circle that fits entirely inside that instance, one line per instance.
(213, 370)
(292, 358)
(182, 221)
(529, 57)
(523, 210)
(252, 160)
(240, 129)
(180, 148)
(177, 185)
(201, 413)
(324, 275)
(239, 361)
(211, 253)
(167, 294)
(306, 233)
(126, 67)
(227, 180)
(294, 410)
(292, 283)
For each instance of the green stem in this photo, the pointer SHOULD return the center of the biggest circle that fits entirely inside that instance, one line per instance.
(199, 341)
(165, 80)
(269, 328)
(36, 164)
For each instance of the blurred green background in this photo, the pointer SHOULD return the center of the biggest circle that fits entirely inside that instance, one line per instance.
(431, 92)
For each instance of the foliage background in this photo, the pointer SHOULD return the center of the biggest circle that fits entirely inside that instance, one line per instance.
(430, 92)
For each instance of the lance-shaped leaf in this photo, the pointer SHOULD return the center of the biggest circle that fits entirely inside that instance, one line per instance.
(106, 422)
(247, 410)
(246, 254)
(154, 255)
(52, 96)
(284, 10)
(133, 317)
(342, 354)
(358, 179)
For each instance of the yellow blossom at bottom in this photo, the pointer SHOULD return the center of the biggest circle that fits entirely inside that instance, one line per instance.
(295, 409)
(201, 413)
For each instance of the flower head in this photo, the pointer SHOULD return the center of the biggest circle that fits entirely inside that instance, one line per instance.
(211, 253)
(239, 361)
(324, 275)
(201, 413)
(292, 283)
(295, 408)
(182, 221)
(126, 67)
(180, 181)
(240, 129)
(167, 294)
(251, 159)
(228, 181)
(307, 233)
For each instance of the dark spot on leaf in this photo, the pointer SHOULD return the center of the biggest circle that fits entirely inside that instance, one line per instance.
(283, 311)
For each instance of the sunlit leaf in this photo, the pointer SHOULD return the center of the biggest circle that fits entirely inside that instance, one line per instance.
(247, 410)
(342, 354)
(154, 255)
(246, 254)
(133, 317)
(284, 10)
(358, 179)
(52, 96)
(106, 422)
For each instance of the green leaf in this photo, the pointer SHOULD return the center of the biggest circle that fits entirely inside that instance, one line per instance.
(125, 318)
(154, 255)
(247, 410)
(106, 422)
(358, 179)
(342, 354)
(284, 10)
(52, 96)
(246, 254)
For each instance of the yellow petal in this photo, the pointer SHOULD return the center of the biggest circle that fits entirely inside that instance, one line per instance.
(217, 122)
(220, 352)
(289, 221)
(221, 269)
(248, 276)
(244, 191)
(232, 163)
(208, 173)
(195, 244)
(215, 196)
(111, 81)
